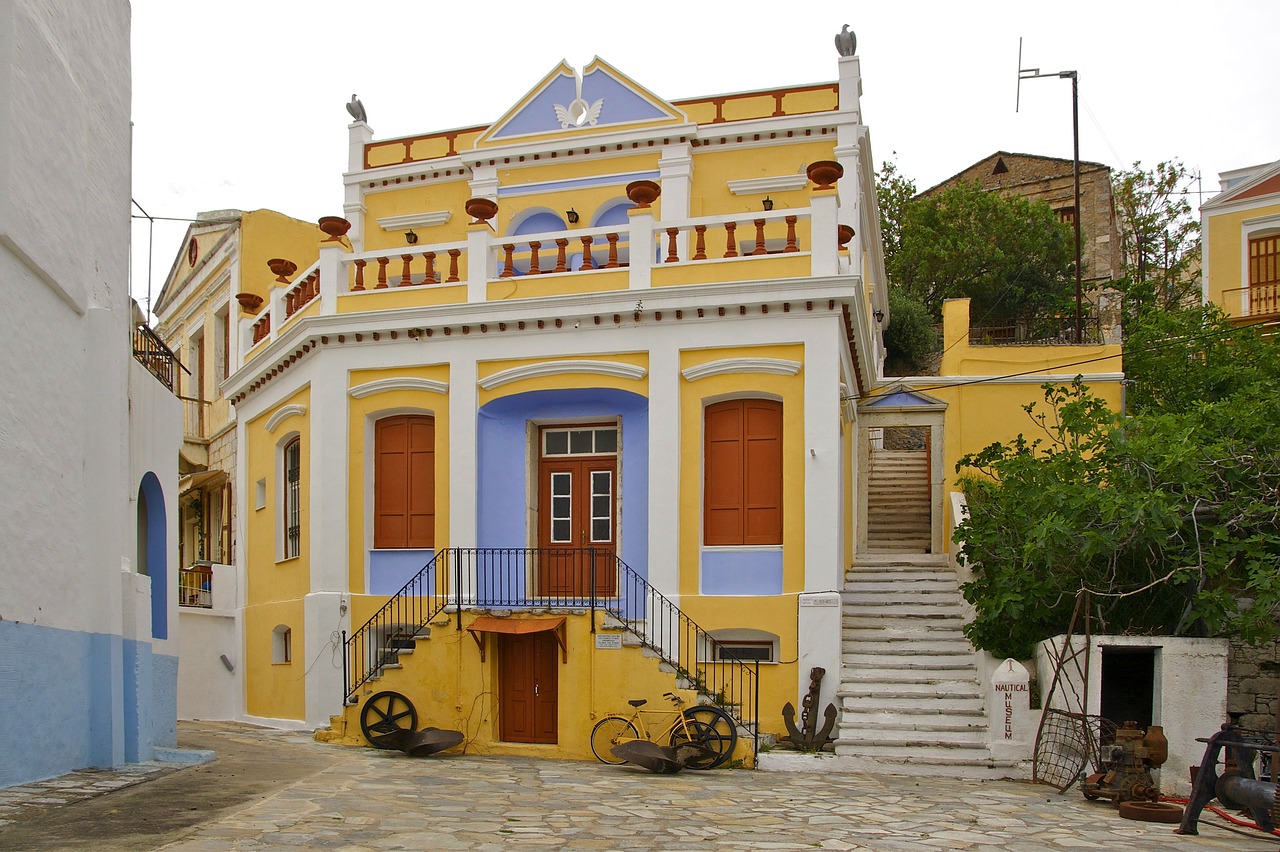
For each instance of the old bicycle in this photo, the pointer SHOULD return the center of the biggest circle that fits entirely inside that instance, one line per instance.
(704, 725)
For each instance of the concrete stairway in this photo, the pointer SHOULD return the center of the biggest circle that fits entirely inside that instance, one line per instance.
(898, 510)
(909, 692)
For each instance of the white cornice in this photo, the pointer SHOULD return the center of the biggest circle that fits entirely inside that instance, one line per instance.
(282, 414)
(559, 368)
(415, 220)
(755, 186)
(399, 383)
(727, 366)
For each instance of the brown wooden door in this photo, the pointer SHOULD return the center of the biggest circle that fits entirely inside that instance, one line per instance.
(528, 688)
(577, 505)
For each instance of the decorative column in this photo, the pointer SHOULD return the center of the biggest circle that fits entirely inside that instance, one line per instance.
(359, 134)
(330, 266)
(676, 169)
(643, 193)
(824, 202)
(481, 266)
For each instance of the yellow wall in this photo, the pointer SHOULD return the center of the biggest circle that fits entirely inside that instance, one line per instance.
(274, 690)
(361, 415)
(271, 579)
(715, 167)
(982, 413)
(449, 195)
(1226, 253)
(267, 234)
(451, 688)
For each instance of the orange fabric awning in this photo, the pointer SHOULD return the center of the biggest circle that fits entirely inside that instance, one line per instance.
(518, 627)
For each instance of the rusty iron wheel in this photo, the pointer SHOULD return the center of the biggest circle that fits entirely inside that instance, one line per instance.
(1151, 811)
(385, 716)
(720, 736)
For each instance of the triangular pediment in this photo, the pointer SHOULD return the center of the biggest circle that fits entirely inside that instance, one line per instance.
(1265, 181)
(901, 396)
(564, 102)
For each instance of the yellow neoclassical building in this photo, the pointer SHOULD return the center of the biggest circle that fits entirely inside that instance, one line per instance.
(585, 406)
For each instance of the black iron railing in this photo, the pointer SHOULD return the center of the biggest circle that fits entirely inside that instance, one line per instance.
(583, 578)
(150, 352)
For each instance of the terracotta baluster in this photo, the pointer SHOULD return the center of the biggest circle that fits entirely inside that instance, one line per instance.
(791, 235)
(382, 273)
(405, 278)
(508, 270)
(561, 262)
(613, 251)
(587, 261)
(759, 237)
(534, 268)
(672, 255)
(360, 264)
(453, 266)
(288, 303)
(730, 241)
(430, 258)
(700, 247)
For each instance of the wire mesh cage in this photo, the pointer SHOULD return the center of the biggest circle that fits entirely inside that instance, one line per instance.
(1069, 747)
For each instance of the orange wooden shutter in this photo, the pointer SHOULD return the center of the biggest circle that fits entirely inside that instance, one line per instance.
(742, 483)
(404, 482)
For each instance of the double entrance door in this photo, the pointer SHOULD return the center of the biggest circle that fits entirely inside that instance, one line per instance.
(577, 511)
(529, 686)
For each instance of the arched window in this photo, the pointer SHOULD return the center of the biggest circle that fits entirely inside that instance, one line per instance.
(742, 476)
(281, 644)
(292, 479)
(404, 503)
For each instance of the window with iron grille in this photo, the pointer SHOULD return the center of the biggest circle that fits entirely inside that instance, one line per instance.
(292, 497)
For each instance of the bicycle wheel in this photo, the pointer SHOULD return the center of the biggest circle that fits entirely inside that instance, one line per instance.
(607, 733)
(719, 732)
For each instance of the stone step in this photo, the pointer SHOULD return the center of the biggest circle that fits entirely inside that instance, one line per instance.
(911, 725)
(902, 588)
(915, 677)
(904, 650)
(935, 560)
(889, 593)
(958, 689)
(858, 662)
(920, 754)
(903, 609)
(897, 574)
(895, 634)
(899, 702)
(910, 741)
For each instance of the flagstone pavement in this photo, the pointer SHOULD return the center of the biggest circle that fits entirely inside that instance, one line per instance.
(279, 790)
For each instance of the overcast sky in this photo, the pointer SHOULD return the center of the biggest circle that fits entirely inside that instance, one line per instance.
(240, 104)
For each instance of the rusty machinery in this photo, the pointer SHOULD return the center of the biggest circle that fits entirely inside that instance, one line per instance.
(1235, 787)
(1127, 764)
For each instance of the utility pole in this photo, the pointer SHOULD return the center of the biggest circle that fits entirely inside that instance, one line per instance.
(1031, 74)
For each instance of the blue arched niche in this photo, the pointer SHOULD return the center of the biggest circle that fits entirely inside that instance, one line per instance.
(504, 461)
(152, 551)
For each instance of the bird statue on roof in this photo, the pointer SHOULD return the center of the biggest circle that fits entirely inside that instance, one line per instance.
(357, 109)
(846, 42)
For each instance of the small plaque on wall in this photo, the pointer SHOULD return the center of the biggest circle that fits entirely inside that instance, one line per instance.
(609, 641)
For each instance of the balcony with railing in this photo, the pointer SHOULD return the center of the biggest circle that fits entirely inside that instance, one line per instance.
(151, 352)
(1257, 302)
(195, 586)
(645, 253)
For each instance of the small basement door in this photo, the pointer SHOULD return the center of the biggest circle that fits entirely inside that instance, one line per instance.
(528, 688)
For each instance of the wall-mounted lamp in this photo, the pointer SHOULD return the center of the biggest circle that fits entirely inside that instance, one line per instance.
(768, 203)
(572, 216)
(410, 237)
(879, 315)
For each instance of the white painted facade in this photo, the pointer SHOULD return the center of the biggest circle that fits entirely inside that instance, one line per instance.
(82, 675)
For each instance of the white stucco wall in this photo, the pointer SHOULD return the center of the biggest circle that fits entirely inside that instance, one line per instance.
(71, 453)
(1190, 693)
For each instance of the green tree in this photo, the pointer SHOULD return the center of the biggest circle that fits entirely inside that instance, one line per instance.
(911, 339)
(1159, 239)
(894, 193)
(1171, 518)
(1010, 256)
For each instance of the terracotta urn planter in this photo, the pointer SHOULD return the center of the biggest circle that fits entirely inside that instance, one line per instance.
(481, 209)
(825, 173)
(282, 269)
(643, 192)
(844, 233)
(335, 226)
(250, 302)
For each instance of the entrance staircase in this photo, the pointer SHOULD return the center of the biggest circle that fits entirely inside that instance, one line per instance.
(909, 689)
(898, 501)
